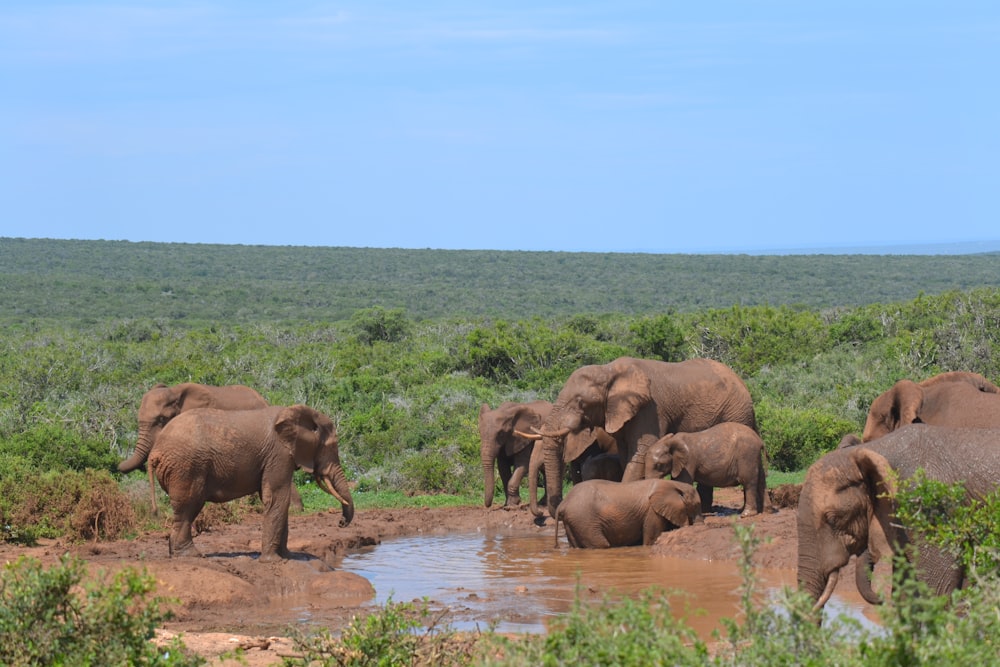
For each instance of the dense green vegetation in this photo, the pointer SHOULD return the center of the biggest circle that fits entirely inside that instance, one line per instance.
(405, 389)
(401, 348)
(92, 281)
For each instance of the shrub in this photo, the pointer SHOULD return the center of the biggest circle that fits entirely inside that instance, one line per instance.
(630, 632)
(59, 621)
(397, 634)
(86, 505)
(795, 437)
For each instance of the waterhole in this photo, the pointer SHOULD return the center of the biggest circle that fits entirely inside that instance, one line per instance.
(518, 583)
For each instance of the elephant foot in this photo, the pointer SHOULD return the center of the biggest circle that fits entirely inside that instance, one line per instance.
(512, 503)
(745, 513)
(273, 556)
(186, 549)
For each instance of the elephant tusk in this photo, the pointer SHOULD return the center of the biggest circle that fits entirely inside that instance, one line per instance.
(527, 436)
(555, 435)
(831, 583)
(328, 487)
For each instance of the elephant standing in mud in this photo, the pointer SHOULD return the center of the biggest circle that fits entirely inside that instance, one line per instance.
(727, 454)
(502, 442)
(846, 504)
(957, 398)
(162, 403)
(209, 455)
(638, 401)
(598, 514)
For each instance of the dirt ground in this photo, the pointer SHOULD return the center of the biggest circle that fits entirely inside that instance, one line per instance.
(228, 600)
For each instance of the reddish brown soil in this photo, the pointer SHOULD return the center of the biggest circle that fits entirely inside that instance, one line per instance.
(227, 599)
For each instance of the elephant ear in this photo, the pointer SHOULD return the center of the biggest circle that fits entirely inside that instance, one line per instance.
(628, 392)
(668, 501)
(298, 430)
(880, 483)
(895, 408)
(524, 420)
(680, 455)
(577, 443)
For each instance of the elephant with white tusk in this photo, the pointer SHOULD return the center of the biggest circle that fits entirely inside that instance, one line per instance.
(209, 455)
(637, 402)
(847, 504)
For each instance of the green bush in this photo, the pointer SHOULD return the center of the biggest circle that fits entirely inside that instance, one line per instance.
(47, 617)
(629, 632)
(943, 515)
(795, 437)
(400, 633)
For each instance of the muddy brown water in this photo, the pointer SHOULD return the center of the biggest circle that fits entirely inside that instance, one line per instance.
(520, 582)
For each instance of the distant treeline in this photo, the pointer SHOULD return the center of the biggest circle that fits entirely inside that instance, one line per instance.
(88, 281)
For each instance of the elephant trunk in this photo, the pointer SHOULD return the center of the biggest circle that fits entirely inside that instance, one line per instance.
(534, 467)
(334, 482)
(863, 569)
(489, 480)
(143, 445)
(553, 474)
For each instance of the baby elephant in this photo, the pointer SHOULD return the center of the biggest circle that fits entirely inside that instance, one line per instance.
(727, 454)
(209, 455)
(598, 514)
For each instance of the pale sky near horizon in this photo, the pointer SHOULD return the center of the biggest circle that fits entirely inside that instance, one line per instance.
(577, 126)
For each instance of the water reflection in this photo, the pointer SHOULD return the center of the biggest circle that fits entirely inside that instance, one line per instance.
(520, 582)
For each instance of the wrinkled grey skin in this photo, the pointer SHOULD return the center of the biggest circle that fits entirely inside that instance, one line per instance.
(956, 398)
(500, 445)
(846, 506)
(727, 454)
(638, 401)
(209, 455)
(598, 514)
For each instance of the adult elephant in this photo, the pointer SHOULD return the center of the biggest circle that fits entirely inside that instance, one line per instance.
(502, 444)
(209, 455)
(638, 401)
(162, 403)
(598, 514)
(957, 398)
(727, 454)
(846, 504)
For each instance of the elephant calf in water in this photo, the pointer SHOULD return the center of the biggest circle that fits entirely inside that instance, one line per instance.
(598, 513)
(209, 455)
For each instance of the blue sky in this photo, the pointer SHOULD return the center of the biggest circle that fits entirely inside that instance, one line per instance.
(578, 126)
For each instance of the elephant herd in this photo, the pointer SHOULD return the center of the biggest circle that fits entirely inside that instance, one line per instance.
(622, 428)
(693, 422)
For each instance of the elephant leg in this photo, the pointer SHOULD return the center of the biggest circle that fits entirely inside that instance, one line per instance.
(510, 490)
(706, 492)
(652, 528)
(296, 502)
(181, 542)
(274, 541)
(514, 487)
